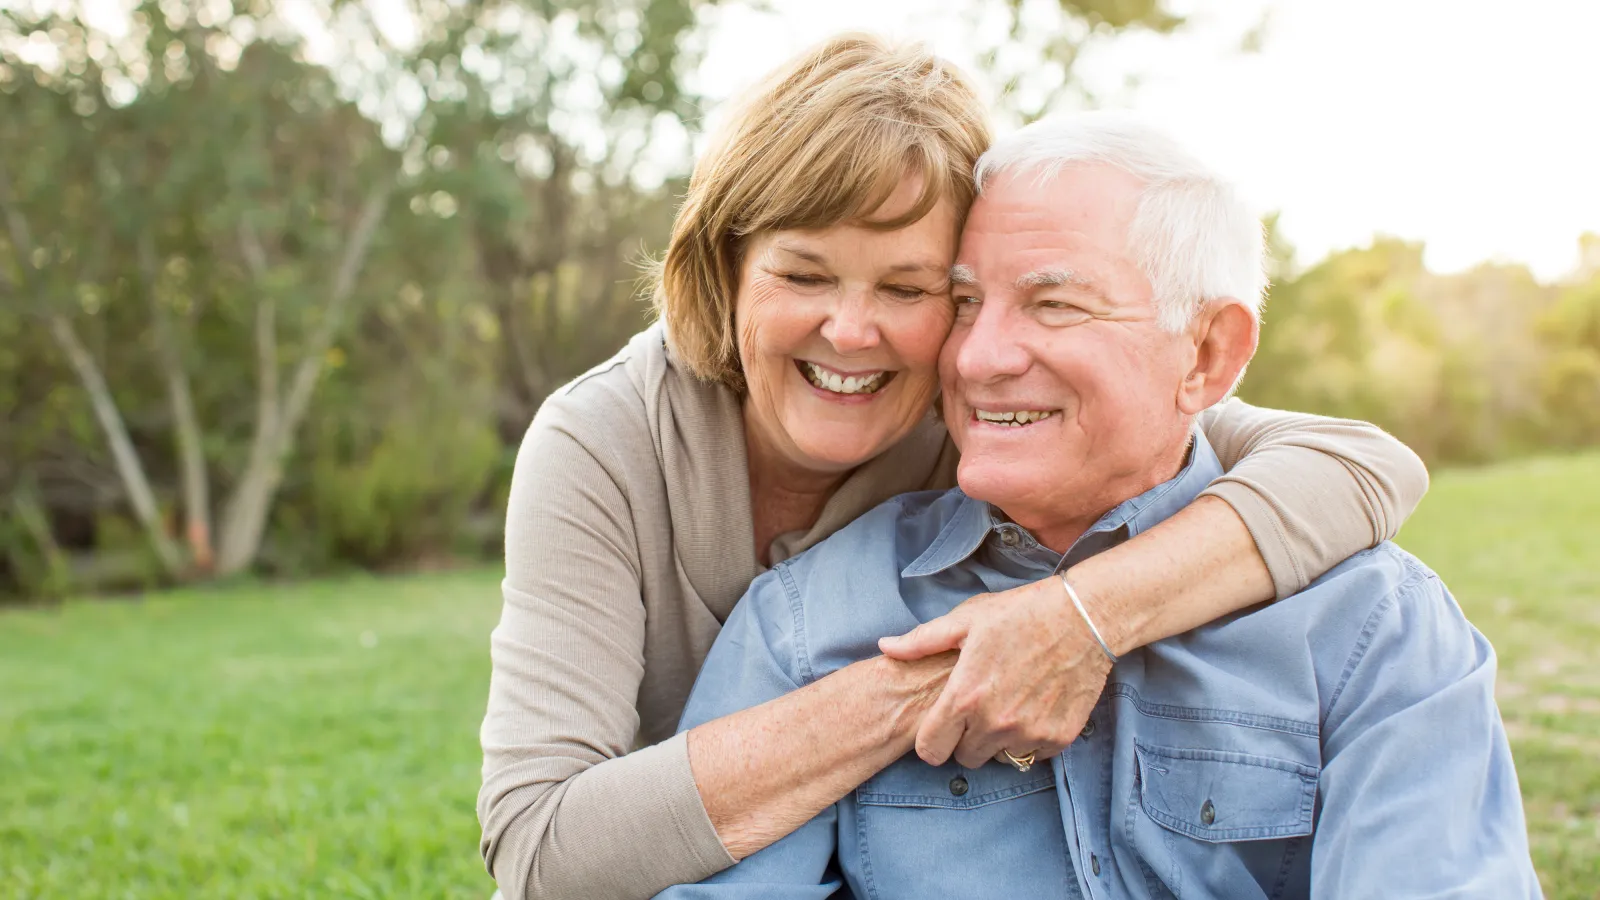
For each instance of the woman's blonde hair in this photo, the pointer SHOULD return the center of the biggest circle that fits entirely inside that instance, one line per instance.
(823, 140)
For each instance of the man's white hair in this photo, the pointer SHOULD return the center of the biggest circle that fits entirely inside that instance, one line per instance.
(1192, 235)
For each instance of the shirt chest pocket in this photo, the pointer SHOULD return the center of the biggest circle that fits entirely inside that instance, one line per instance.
(1217, 795)
(944, 831)
(1216, 823)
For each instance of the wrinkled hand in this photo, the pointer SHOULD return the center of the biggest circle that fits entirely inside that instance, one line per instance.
(1028, 676)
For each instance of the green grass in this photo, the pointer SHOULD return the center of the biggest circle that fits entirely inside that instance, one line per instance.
(310, 741)
(1519, 546)
(320, 740)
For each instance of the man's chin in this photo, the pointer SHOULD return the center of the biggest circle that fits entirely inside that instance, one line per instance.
(996, 481)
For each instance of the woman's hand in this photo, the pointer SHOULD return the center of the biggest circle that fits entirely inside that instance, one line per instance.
(762, 772)
(1028, 676)
(1030, 671)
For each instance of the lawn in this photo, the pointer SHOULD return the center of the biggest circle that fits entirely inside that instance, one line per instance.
(314, 740)
(1519, 546)
(319, 740)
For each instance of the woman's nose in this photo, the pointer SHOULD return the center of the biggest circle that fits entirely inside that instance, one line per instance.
(852, 325)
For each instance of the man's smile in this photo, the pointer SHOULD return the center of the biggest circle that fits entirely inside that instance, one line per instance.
(1012, 418)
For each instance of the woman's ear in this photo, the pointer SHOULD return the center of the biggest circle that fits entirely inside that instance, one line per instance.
(1225, 334)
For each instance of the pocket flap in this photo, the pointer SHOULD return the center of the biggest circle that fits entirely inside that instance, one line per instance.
(911, 782)
(1220, 795)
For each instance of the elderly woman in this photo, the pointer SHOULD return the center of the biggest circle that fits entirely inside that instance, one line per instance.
(805, 298)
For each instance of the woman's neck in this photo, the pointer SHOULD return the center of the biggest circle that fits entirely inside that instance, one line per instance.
(784, 496)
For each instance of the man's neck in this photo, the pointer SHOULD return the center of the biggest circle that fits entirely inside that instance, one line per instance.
(1060, 530)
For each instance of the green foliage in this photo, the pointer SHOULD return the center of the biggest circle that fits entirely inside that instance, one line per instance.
(1571, 383)
(1032, 55)
(410, 495)
(319, 739)
(1571, 379)
(1464, 368)
(189, 193)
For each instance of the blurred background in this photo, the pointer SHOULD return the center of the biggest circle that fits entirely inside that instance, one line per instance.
(283, 283)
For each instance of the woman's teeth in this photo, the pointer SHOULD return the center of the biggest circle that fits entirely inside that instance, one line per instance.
(1013, 419)
(841, 384)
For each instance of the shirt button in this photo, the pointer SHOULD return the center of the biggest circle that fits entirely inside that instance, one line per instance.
(1094, 864)
(958, 785)
(1088, 728)
(1208, 813)
(1009, 538)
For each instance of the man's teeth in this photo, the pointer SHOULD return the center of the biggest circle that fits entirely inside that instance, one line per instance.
(840, 384)
(1014, 419)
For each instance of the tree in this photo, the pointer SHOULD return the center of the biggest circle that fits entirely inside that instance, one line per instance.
(157, 175)
(1029, 49)
(1570, 335)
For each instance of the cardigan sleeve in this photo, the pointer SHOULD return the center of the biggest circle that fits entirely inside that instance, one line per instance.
(1311, 490)
(566, 809)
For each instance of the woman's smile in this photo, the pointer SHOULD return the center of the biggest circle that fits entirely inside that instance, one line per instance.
(844, 386)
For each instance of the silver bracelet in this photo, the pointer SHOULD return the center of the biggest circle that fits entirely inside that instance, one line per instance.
(1073, 594)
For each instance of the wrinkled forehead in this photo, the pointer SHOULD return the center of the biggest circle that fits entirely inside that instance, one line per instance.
(1071, 231)
(1026, 261)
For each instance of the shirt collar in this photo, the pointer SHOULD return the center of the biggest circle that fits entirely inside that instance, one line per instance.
(973, 520)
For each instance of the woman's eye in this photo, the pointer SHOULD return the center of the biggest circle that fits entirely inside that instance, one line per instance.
(806, 280)
(905, 292)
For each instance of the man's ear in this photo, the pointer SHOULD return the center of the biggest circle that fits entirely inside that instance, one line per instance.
(1225, 335)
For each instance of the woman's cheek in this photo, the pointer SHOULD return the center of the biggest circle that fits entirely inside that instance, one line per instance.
(758, 304)
(926, 327)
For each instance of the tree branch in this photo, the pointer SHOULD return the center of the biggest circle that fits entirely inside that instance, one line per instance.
(105, 406)
(127, 459)
(244, 519)
(255, 257)
(186, 424)
(17, 226)
(314, 357)
(266, 333)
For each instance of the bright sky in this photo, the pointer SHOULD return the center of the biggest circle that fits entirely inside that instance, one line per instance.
(1472, 125)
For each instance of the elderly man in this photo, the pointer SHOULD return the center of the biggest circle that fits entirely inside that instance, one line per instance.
(1343, 742)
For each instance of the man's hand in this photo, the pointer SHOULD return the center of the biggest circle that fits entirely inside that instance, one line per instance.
(1028, 675)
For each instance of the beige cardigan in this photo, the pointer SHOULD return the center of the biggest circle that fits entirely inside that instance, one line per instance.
(629, 539)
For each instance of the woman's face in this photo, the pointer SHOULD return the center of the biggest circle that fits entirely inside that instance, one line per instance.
(839, 334)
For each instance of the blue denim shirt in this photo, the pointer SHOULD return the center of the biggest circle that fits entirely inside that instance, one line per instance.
(1340, 743)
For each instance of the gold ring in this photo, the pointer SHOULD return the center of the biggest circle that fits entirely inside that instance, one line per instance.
(1023, 763)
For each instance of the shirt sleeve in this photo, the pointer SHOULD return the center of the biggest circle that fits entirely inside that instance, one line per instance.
(1311, 490)
(1419, 796)
(756, 658)
(566, 809)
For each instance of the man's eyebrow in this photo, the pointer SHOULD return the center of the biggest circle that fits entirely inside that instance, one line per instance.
(963, 275)
(1058, 278)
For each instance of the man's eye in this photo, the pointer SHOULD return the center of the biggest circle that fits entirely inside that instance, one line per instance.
(966, 304)
(1059, 311)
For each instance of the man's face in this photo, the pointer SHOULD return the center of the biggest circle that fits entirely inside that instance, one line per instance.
(1060, 388)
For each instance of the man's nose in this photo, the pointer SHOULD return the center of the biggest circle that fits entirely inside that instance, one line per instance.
(852, 325)
(992, 348)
